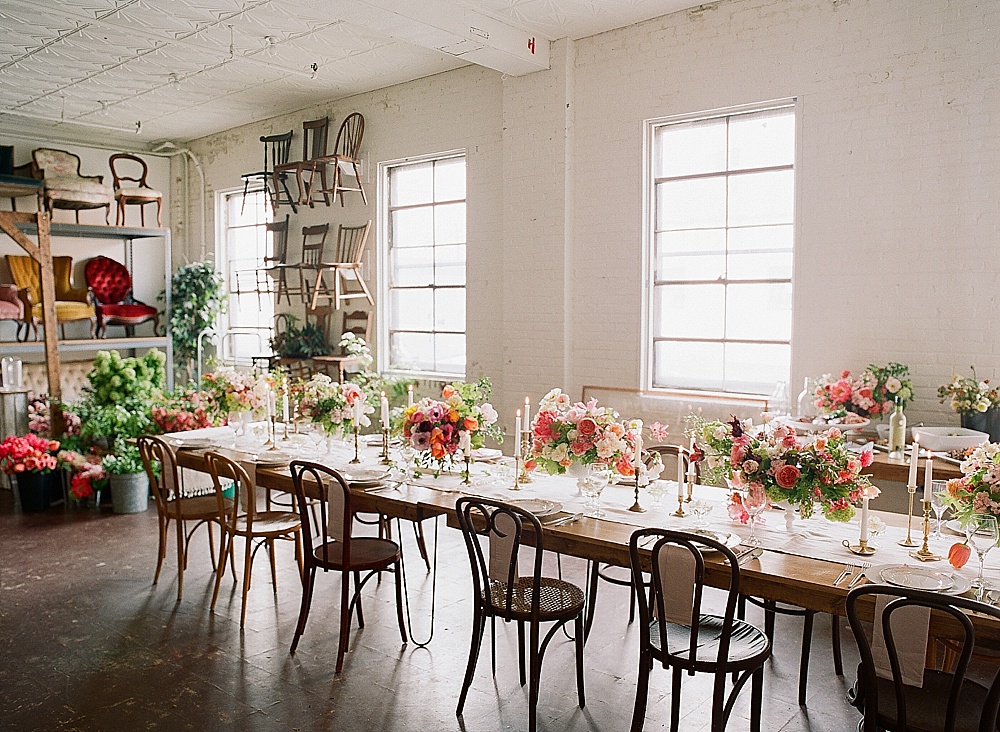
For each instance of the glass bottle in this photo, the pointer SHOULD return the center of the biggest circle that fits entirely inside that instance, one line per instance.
(805, 406)
(897, 430)
(778, 404)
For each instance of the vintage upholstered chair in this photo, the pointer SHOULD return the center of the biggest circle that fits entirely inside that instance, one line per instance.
(65, 188)
(276, 149)
(71, 304)
(138, 195)
(345, 266)
(111, 284)
(315, 135)
(11, 307)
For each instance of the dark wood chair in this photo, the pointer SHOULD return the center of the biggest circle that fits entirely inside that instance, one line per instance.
(358, 322)
(335, 549)
(315, 135)
(345, 159)
(676, 631)
(276, 150)
(138, 195)
(272, 277)
(346, 267)
(114, 303)
(313, 248)
(887, 692)
(495, 533)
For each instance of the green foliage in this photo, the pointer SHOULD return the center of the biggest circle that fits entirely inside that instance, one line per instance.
(198, 297)
(125, 460)
(300, 342)
(130, 418)
(115, 379)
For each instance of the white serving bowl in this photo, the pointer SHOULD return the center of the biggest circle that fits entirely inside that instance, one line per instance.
(946, 439)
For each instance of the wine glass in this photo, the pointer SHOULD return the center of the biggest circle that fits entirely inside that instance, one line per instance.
(938, 489)
(597, 479)
(754, 501)
(407, 456)
(981, 534)
(657, 489)
(701, 508)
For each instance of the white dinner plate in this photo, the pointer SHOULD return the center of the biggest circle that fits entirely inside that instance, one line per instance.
(920, 578)
(274, 459)
(486, 454)
(537, 506)
(192, 443)
(361, 477)
(823, 426)
(729, 539)
(955, 526)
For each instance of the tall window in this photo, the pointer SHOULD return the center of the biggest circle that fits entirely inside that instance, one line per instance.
(424, 277)
(245, 243)
(722, 203)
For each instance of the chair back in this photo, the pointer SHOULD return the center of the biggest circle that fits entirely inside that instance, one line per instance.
(26, 275)
(494, 534)
(55, 163)
(115, 162)
(244, 501)
(358, 322)
(313, 244)
(349, 136)
(276, 150)
(676, 452)
(279, 242)
(165, 486)
(108, 280)
(905, 613)
(62, 268)
(673, 597)
(315, 135)
(335, 511)
(351, 242)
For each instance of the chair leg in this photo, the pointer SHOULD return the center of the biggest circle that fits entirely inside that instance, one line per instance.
(756, 699)
(307, 591)
(641, 693)
(345, 618)
(357, 605)
(478, 626)
(180, 559)
(535, 672)
(838, 659)
(226, 549)
(578, 632)
(807, 630)
(247, 569)
(211, 543)
(675, 699)
(591, 599)
(399, 602)
(520, 652)
(274, 571)
(718, 703)
(161, 548)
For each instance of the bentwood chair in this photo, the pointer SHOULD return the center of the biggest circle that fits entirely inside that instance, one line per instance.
(139, 194)
(315, 134)
(173, 505)
(495, 533)
(678, 632)
(895, 691)
(276, 149)
(346, 267)
(240, 518)
(334, 548)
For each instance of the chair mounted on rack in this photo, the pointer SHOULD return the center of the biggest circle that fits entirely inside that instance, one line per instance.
(111, 285)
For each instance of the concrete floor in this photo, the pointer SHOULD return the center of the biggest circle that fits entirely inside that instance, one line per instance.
(88, 643)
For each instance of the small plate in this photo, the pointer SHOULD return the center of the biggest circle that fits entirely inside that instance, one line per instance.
(359, 477)
(274, 459)
(823, 426)
(955, 526)
(917, 578)
(486, 454)
(729, 539)
(192, 443)
(537, 506)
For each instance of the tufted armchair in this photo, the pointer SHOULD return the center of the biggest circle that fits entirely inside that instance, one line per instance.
(111, 285)
(64, 186)
(11, 307)
(71, 303)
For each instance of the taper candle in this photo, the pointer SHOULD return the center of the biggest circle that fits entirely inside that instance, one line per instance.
(864, 519)
(912, 480)
(409, 395)
(384, 403)
(284, 407)
(928, 474)
(526, 421)
(517, 434)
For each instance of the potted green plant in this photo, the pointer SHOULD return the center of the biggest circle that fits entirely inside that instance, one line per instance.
(129, 482)
(198, 298)
(120, 395)
(300, 342)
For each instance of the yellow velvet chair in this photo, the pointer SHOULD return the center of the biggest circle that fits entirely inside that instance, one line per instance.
(71, 303)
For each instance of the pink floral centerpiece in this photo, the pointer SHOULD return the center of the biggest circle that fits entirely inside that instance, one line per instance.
(976, 492)
(236, 391)
(331, 405)
(871, 394)
(435, 427)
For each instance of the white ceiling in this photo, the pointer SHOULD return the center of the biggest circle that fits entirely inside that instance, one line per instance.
(95, 70)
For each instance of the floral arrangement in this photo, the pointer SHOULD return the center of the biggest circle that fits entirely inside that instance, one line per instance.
(564, 433)
(978, 490)
(870, 395)
(968, 395)
(435, 427)
(800, 471)
(88, 474)
(325, 402)
(236, 391)
(38, 417)
(184, 409)
(28, 454)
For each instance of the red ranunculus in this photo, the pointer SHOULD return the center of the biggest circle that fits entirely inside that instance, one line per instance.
(787, 475)
(587, 426)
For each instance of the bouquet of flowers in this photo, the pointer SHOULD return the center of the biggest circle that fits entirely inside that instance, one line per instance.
(435, 428)
(564, 433)
(800, 471)
(184, 409)
(978, 490)
(38, 417)
(325, 402)
(870, 395)
(236, 391)
(28, 454)
(88, 474)
(967, 395)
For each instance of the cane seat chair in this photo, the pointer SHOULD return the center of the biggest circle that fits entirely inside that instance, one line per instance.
(276, 150)
(241, 518)
(678, 632)
(895, 691)
(138, 195)
(335, 549)
(346, 267)
(315, 135)
(72, 304)
(495, 534)
(173, 505)
(114, 303)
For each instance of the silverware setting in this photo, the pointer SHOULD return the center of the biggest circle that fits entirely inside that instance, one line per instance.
(863, 567)
(748, 554)
(848, 571)
(566, 520)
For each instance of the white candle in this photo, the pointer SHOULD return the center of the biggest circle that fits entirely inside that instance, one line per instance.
(284, 408)
(271, 406)
(637, 457)
(409, 395)
(385, 412)
(912, 480)
(465, 442)
(928, 475)
(864, 519)
(527, 413)
(680, 469)
(359, 411)
(517, 434)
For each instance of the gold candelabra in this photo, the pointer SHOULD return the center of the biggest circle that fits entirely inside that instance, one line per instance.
(862, 547)
(525, 476)
(467, 475)
(385, 446)
(908, 541)
(679, 513)
(640, 481)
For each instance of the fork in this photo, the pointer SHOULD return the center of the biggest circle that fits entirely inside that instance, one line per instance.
(864, 567)
(849, 568)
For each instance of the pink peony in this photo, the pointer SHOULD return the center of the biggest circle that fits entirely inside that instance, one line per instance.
(786, 476)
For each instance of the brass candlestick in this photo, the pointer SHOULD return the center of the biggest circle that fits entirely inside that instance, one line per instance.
(284, 430)
(357, 453)
(466, 476)
(690, 486)
(272, 432)
(385, 446)
(862, 547)
(924, 553)
(517, 474)
(679, 513)
(908, 541)
(525, 476)
(639, 483)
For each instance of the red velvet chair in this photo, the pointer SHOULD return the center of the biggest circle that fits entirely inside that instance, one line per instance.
(112, 287)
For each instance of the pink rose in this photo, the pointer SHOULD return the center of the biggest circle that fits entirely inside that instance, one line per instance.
(787, 475)
(587, 426)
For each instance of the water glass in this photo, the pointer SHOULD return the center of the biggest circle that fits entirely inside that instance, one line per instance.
(939, 488)
(701, 508)
(597, 479)
(982, 535)
(754, 501)
(657, 489)
(407, 457)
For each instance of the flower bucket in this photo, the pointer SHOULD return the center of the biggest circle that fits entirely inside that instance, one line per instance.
(130, 492)
(35, 491)
(988, 421)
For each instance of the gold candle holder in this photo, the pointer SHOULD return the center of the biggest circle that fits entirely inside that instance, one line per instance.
(517, 474)
(862, 547)
(679, 513)
(908, 541)
(272, 432)
(357, 452)
(924, 553)
(690, 487)
(525, 476)
(385, 446)
(639, 483)
(467, 473)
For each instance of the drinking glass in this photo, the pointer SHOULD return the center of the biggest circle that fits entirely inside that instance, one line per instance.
(938, 488)
(597, 479)
(657, 489)
(754, 501)
(701, 508)
(981, 534)
(407, 457)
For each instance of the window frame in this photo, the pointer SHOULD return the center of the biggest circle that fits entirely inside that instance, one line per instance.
(648, 229)
(383, 354)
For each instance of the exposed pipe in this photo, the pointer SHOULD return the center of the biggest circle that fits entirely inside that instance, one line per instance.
(169, 149)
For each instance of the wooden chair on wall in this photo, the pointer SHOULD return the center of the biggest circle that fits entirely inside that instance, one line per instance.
(138, 195)
(313, 247)
(345, 159)
(272, 277)
(315, 135)
(358, 322)
(346, 267)
(276, 150)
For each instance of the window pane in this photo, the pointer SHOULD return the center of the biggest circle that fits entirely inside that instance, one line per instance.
(411, 309)
(449, 179)
(761, 198)
(691, 204)
(449, 310)
(411, 184)
(412, 267)
(411, 351)
(449, 264)
(756, 368)
(449, 224)
(699, 254)
(245, 245)
(690, 148)
(762, 139)
(759, 312)
(412, 227)
(690, 311)
(688, 365)
(450, 353)
(760, 252)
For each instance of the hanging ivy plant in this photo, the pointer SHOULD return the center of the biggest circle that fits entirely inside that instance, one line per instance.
(198, 298)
